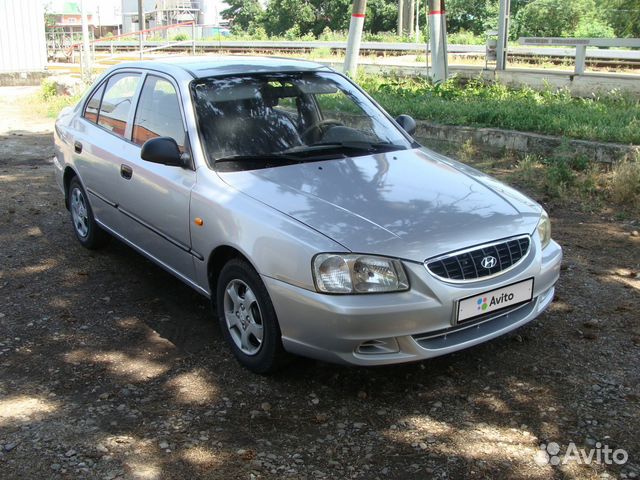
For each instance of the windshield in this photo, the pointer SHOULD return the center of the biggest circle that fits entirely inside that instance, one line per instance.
(289, 117)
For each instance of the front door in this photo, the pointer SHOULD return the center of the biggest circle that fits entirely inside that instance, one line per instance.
(154, 198)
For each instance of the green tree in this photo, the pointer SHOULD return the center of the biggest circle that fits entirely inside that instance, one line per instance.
(243, 14)
(624, 17)
(469, 15)
(283, 15)
(547, 18)
(382, 16)
(593, 27)
(334, 14)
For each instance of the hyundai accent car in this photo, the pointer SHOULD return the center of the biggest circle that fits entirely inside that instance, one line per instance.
(313, 220)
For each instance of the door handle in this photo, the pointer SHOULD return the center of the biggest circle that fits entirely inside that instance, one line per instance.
(77, 146)
(126, 171)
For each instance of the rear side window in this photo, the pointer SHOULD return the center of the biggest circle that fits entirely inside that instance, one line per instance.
(158, 113)
(116, 102)
(93, 105)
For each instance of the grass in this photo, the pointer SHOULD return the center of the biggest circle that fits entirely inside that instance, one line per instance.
(609, 118)
(561, 178)
(48, 102)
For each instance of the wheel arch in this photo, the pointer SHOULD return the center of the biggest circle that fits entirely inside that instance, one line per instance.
(217, 260)
(69, 174)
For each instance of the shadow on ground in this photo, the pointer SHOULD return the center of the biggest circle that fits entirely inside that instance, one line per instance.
(114, 369)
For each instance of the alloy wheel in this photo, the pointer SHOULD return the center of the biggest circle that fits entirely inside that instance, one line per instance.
(243, 317)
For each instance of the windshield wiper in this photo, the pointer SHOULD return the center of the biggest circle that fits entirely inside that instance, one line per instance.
(265, 157)
(254, 162)
(373, 147)
(269, 160)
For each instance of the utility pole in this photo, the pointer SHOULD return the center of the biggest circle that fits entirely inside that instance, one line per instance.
(409, 21)
(355, 36)
(438, 40)
(400, 17)
(417, 31)
(85, 60)
(140, 25)
(503, 34)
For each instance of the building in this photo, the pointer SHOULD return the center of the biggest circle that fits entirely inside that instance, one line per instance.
(65, 17)
(22, 36)
(169, 12)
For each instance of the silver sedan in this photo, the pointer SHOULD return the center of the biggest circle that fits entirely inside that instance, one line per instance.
(313, 221)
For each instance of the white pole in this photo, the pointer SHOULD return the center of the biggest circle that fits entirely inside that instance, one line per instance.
(85, 62)
(438, 40)
(417, 21)
(355, 36)
(140, 26)
(503, 34)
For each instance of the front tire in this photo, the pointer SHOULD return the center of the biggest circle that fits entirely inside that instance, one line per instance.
(247, 318)
(87, 231)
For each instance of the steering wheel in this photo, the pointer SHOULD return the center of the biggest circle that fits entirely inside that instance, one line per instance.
(319, 129)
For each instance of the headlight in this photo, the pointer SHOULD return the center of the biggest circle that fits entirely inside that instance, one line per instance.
(544, 229)
(347, 273)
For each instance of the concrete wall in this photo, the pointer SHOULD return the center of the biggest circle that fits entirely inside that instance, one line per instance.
(22, 41)
(523, 142)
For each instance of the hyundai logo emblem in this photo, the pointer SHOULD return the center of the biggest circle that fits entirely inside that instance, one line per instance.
(489, 261)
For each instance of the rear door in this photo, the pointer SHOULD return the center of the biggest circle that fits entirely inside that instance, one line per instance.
(101, 145)
(155, 198)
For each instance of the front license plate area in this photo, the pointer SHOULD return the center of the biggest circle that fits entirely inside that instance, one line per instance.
(493, 300)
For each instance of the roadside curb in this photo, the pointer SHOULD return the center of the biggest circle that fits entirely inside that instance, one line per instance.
(524, 142)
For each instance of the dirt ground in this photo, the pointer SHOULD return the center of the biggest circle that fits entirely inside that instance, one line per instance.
(111, 368)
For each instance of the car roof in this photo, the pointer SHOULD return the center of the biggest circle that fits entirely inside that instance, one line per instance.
(210, 66)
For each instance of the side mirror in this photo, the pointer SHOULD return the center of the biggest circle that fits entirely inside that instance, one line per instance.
(407, 123)
(163, 150)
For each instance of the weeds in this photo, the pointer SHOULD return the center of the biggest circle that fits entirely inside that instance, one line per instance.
(557, 177)
(611, 118)
(49, 101)
(48, 89)
(625, 183)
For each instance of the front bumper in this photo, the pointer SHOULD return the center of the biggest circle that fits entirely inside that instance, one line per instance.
(378, 329)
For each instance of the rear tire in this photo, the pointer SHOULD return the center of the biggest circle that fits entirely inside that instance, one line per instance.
(247, 318)
(87, 231)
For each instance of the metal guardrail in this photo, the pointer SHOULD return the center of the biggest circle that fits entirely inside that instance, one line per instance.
(581, 45)
(140, 34)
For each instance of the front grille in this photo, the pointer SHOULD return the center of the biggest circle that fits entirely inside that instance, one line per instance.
(466, 265)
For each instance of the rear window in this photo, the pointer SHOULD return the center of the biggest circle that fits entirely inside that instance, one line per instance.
(116, 102)
(93, 105)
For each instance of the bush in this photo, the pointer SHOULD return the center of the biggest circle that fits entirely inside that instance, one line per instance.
(48, 89)
(464, 37)
(293, 33)
(625, 184)
(591, 27)
(180, 37)
(329, 35)
(547, 18)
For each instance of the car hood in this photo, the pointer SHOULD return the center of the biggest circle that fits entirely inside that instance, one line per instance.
(410, 204)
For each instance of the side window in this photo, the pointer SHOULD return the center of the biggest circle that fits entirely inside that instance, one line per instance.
(337, 106)
(158, 113)
(91, 110)
(116, 102)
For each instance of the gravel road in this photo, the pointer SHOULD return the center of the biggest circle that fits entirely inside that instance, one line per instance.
(110, 368)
